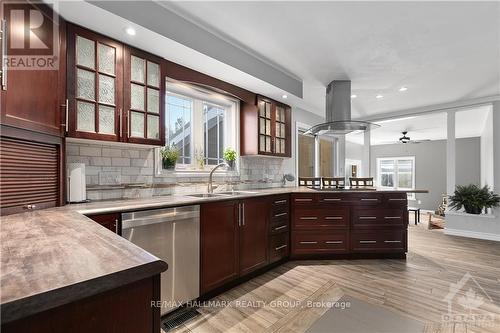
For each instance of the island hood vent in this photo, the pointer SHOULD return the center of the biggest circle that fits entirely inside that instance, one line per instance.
(338, 112)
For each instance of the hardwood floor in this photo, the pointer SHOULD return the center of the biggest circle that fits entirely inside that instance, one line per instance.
(415, 287)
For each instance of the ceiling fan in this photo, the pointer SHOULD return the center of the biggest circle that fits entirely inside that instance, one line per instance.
(406, 139)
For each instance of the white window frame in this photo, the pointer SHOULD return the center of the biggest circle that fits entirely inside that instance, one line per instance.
(199, 97)
(411, 196)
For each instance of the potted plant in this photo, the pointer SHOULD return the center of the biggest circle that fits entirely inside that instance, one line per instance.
(169, 156)
(473, 198)
(230, 157)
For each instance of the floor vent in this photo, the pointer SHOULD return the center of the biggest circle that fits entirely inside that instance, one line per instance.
(178, 317)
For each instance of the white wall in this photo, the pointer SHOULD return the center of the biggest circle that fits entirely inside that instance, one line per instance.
(487, 152)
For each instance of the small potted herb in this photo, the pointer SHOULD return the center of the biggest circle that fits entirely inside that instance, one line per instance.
(230, 157)
(169, 156)
(473, 198)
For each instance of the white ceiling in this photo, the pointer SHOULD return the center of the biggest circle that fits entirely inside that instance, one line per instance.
(441, 51)
(432, 126)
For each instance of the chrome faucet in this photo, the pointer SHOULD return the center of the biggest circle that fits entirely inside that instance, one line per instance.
(210, 188)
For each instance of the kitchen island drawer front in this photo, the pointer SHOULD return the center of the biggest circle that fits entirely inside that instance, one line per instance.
(303, 199)
(314, 218)
(325, 242)
(280, 201)
(279, 227)
(378, 218)
(280, 213)
(379, 241)
(396, 199)
(366, 199)
(334, 199)
(279, 247)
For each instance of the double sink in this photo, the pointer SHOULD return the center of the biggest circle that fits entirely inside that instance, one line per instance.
(221, 194)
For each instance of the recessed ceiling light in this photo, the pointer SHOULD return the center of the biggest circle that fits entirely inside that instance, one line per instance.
(285, 96)
(354, 96)
(403, 89)
(130, 31)
(379, 96)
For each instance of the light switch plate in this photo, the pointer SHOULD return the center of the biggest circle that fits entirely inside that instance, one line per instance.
(110, 178)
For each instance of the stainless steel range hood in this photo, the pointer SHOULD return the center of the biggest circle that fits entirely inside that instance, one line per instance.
(338, 112)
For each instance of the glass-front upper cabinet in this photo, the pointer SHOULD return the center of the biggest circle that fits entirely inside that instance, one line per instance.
(274, 128)
(95, 82)
(144, 97)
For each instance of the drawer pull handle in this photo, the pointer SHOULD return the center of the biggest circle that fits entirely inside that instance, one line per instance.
(367, 217)
(281, 214)
(399, 199)
(280, 202)
(392, 217)
(309, 218)
(334, 242)
(332, 199)
(366, 199)
(308, 242)
(279, 228)
(303, 200)
(392, 241)
(367, 241)
(334, 218)
(280, 247)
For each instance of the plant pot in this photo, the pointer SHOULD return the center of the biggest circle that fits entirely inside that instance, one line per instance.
(473, 210)
(231, 164)
(168, 164)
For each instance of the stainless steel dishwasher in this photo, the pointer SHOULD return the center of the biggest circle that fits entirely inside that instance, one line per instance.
(173, 235)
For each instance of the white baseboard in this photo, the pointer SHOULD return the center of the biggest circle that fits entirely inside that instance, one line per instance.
(472, 234)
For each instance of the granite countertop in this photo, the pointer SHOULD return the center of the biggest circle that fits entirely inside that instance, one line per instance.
(55, 256)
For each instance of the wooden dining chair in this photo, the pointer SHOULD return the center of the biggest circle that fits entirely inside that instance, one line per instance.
(361, 182)
(310, 181)
(333, 182)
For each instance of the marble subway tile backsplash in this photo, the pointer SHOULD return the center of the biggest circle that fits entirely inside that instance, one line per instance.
(115, 171)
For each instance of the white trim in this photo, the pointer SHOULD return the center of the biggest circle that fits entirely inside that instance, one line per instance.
(472, 234)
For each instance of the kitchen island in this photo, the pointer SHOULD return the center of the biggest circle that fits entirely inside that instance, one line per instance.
(59, 265)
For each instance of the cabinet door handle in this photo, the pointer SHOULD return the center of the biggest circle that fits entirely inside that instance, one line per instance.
(334, 218)
(303, 200)
(116, 226)
(3, 24)
(392, 241)
(243, 214)
(334, 242)
(280, 214)
(280, 202)
(367, 241)
(66, 116)
(279, 228)
(239, 215)
(30, 207)
(397, 199)
(392, 217)
(308, 242)
(367, 217)
(332, 199)
(280, 247)
(367, 199)
(308, 218)
(120, 121)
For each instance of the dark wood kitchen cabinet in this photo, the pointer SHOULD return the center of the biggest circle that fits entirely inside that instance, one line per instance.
(95, 85)
(111, 221)
(33, 98)
(234, 240)
(265, 128)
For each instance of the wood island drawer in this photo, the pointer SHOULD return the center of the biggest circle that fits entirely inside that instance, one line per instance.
(314, 218)
(379, 218)
(279, 227)
(278, 247)
(396, 199)
(334, 199)
(303, 199)
(280, 201)
(366, 199)
(314, 242)
(379, 241)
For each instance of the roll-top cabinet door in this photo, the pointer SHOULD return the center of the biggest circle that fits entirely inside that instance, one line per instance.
(219, 233)
(33, 80)
(144, 91)
(95, 81)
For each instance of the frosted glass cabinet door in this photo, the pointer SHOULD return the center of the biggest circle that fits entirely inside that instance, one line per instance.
(85, 116)
(136, 97)
(153, 127)
(136, 124)
(137, 69)
(85, 52)
(106, 59)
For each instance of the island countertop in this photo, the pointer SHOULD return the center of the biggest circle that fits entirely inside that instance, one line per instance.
(54, 256)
